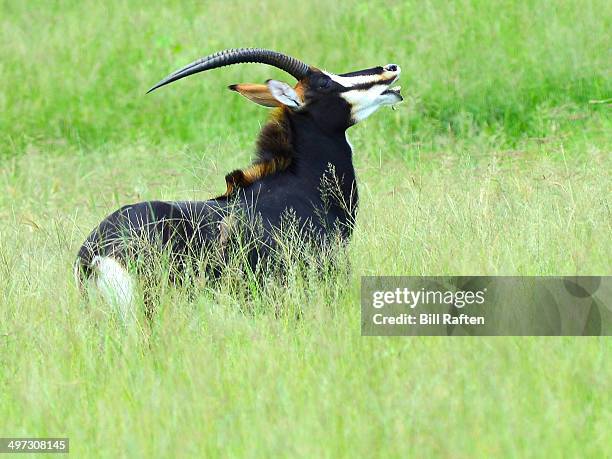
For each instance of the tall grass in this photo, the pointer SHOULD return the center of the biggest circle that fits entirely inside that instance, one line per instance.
(226, 373)
(496, 164)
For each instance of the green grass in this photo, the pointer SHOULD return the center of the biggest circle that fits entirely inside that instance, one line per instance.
(77, 72)
(496, 164)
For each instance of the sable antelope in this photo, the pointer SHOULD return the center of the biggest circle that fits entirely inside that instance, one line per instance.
(303, 144)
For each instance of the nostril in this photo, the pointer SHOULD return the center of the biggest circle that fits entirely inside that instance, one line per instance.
(391, 68)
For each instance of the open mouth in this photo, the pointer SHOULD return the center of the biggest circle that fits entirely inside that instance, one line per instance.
(395, 91)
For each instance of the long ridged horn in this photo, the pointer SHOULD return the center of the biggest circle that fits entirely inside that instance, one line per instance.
(289, 64)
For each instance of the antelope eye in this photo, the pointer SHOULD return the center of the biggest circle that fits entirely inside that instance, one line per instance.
(324, 83)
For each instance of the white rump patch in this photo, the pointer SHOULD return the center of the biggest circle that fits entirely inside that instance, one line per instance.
(115, 284)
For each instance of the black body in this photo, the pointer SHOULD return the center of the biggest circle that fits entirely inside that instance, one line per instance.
(317, 191)
(302, 176)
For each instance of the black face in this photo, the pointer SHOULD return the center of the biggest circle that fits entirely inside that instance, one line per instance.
(323, 103)
(336, 102)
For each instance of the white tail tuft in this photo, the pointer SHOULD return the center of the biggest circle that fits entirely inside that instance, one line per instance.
(115, 284)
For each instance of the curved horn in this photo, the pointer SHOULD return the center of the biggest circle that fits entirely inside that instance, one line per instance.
(289, 64)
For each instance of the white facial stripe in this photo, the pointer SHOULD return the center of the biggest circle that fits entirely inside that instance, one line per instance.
(362, 96)
(364, 102)
(367, 93)
(349, 82)
(362, 114)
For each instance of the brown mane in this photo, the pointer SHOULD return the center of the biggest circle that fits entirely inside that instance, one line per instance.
(274, 154)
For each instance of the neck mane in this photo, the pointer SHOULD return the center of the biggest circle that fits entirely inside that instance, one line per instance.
(292, 141)
(274, 153)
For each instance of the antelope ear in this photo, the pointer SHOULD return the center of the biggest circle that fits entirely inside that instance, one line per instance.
(258, 93)
(284, 93)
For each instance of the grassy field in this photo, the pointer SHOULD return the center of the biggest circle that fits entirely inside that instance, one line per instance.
(498, 162)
